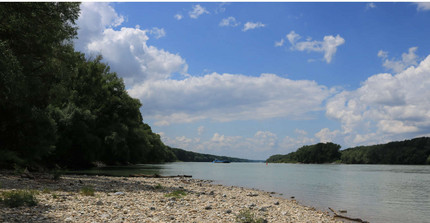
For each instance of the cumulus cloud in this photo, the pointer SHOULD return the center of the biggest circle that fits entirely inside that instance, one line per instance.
(408, 59)
(260, 145)
(325, 135)
(157, 33)
(328, 45)
(291, 144)
(197, 11)
(227, 97)
(423, 6)
(94, 19)
(386, 107)
(293, 37)
(126, 49)
(252, 25)
(230, 21)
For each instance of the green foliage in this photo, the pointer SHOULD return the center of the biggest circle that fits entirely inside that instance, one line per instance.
(46, 190)
(87, 191)
(246, 216)
(18, 198)
(158, 187)
(176, 193)
(58, 107)
(33, 38)
(318, 153)
(188, 156)
(414, 151)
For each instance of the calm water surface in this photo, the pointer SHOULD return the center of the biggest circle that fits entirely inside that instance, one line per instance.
(376, 193)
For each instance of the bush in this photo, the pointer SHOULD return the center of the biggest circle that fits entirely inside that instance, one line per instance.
(246, 216)
(18, 198)
(87, 191)
(158, 187)
(176, 193)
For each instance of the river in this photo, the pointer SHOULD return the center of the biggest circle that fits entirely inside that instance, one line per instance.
(375, 193)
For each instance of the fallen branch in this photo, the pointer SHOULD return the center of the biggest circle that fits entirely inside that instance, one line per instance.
(158, 176)
(346, 217)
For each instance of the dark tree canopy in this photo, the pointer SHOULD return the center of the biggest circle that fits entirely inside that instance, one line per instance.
(56, 106)
(318, 153)
(415, 151)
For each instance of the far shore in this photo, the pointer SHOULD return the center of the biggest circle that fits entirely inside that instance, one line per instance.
(146, 199)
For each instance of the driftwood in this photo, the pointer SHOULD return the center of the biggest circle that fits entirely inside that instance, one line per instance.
(346, 217)
(158, 176)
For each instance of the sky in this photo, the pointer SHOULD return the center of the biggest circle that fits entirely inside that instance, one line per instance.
(251, 80)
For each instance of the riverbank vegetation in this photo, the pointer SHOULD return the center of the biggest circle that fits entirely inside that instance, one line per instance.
(414, 151)
(61, 109)
(188, 156)
(58, 107)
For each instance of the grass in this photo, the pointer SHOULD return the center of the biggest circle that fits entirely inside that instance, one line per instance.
(17, 198)
(246, 216)
(46, 190)
(87, 191)
(159, 187)
(176, 193)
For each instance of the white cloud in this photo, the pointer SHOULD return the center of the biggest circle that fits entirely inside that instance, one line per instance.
(252, 25)
(325, 135)
(370, 5)
(227, 97)
(424, 6)
(328, 46)
(291, 144)
(300, 131)
(230, 21)
(293, 37)
(408, 59)
(220, 8)
(259, 146)
(178, 16)
(197, 11)
(386, 107)
(157, 33)
(125, 50)
(280, 43)
(94, 19)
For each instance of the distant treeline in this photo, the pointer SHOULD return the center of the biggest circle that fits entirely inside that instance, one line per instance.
(187, 156)
(318, 153)
(414, 151)
(58, 107)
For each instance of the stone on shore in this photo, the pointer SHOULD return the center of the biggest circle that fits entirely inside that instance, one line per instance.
(135, 199)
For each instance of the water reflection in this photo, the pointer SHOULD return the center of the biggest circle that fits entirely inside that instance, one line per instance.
(147, 169)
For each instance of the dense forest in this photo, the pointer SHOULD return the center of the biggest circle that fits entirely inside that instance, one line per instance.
(59, 108)
(414, 151)
(188, 156)
(318, 153)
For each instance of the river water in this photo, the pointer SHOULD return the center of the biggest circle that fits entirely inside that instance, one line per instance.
(375, 193)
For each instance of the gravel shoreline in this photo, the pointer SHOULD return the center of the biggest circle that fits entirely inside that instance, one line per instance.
(139, 199)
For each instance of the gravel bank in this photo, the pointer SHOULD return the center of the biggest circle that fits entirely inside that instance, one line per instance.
(136, 199)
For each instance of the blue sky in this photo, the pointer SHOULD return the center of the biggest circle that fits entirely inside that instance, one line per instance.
(255, 79)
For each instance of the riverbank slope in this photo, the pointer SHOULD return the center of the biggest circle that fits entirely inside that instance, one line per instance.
(137, 199)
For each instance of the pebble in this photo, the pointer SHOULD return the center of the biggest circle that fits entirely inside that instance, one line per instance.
(137, 200)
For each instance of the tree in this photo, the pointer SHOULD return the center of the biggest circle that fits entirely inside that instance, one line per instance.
(31, 40)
